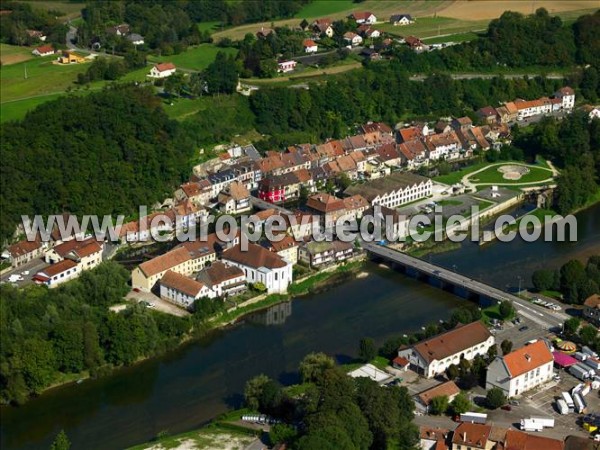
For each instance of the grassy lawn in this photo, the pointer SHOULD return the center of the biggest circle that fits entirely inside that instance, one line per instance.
(69, 9)
(196, 58)
(209, 26)
(12, 54)
(455, 177)
(449, 202)
(492, 175)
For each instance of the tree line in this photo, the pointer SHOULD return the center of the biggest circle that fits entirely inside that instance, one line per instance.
(69, 330)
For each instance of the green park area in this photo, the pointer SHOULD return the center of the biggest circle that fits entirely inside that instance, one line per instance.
(484, 173)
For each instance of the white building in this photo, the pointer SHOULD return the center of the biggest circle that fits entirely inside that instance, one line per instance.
(181, 290)
(310, 46)
(567, 95)
(365, 17)
(162, 70)
(433, 356)
(261, 265)
(286, 66)
(44, 50)
(521, 370)
(446, 145)
(223, 280)
(352, 39)
(394, 190)
(401, 19)
(87, 253)
(58, 273)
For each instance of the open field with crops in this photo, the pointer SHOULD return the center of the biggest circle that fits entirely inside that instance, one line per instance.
(12, 54)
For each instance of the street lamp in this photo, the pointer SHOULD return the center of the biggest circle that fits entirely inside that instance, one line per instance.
(520, 279)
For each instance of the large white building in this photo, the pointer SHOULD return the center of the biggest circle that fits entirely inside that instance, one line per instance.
(521, 370)
(182, 290)
(261, 265)
(567, 96)
(394, 190)
(433, 356)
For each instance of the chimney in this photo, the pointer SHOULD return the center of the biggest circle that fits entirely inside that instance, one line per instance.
(464, 436)
(527, 357)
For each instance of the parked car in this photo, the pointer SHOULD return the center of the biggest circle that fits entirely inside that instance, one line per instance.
(514, 402)
(524, 328)
(506, 408)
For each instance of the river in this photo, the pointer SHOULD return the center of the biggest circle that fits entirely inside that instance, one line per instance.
(202, 379)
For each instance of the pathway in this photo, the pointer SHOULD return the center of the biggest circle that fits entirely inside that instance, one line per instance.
(466, 182)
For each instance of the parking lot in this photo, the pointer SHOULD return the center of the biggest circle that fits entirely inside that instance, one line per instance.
(32, 267)
(157, 303)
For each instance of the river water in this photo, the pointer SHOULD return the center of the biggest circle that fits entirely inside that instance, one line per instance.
(202, 379)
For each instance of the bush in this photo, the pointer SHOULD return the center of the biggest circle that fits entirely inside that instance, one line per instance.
(438, 405)
(495, 398)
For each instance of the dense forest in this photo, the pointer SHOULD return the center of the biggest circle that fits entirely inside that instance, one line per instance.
(14, 26)
(574, 145)
(102, 153)
(335, 411)
(50, 333)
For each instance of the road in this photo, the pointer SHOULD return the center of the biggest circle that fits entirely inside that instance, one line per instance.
(32, 267)
(489, 76)
(543, 317)
(261, 204)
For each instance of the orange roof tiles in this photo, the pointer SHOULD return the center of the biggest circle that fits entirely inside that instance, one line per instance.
(527, 358)
(256, 257)
(165, 262)
(449, 389)
(181, 283)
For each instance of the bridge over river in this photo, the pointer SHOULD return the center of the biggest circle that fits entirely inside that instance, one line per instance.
(464, 286)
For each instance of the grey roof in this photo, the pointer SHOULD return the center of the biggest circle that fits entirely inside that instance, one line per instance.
(383, 185)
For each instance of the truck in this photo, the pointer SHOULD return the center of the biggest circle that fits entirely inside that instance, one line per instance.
(579, 372)
(473, 417)
(536, 423)
(569, 401)
(562, 406)
(580, 405)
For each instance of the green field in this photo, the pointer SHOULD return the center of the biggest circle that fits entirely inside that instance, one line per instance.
(455, 177)
(436, 26)
(69, 9)
(209, 26)
(196, 58)
(12, 54)
(324, 8)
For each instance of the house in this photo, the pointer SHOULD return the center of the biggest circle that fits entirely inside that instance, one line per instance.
(70, 58)
(567, 96)
(223, 280)
(286, 66)
(119, 30)
(445, 146)
(162, 70)
(487, 114)
(261, 265)
(400, 363)
(517, 440)
(591, 309)
(507, 113)
(323, 26)
(136, 39)
(593, 112)
(58, 273)
(413, 153)
(433, 356)
(448, 389)
(310, 46)
(23, 251)
(415, 43)
(271, 190)
(474, 436)
(87, 253)
(328, 207)
(301, 224)
(185, 259)
(182, 290)
(287, 248)
(352, 39)
(393, 190)
(44, 50)
(433, 438)
(316, 254)
(409, 134)
(367, 32)
(220, 181)
(198, 192)
(461, 123)
(235, 199)
(363, 17)
(263, 33)
(389, 155)
(355, 206)
(36, 34)
(381, 127)
(521, 370)
(401, 19)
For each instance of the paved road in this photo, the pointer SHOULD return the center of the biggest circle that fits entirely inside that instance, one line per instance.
(539, 315)
(261, 204)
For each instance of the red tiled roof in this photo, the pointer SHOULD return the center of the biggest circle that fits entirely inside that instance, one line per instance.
(309, 43)
(527, 358)
(165, 261)
(164, 66)
(449, 389)
(80, 248)
(401, 361)
(218, 273)
(45, 49)
(181, 283)
(325, 203)
(361, 15)
(59, 267)
(408, 134)
(453, 341)
(517, 440)
(256, 257)
(473, 435)
(23, 247)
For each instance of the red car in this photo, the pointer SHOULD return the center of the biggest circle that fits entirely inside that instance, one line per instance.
(506, 408)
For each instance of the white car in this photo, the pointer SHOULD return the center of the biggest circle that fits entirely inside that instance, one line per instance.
(25, 272)
(151, 305)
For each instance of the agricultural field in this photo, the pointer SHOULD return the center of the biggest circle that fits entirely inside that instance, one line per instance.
(196, 58)
(70, 9)
(438, 26)
(490, 9)
(12, 54)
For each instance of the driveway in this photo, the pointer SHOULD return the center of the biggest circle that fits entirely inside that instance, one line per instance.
(159, 304)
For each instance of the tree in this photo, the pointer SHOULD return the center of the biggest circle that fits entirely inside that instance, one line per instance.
(588, 334)
(304, 24)
(314, 365)
(280, 433)
(61, 442)
(492, 352)
(254, 389)
(571, 326)
(543, 279)
(495, 398)
(461, 404)
(438, 405)
(506, 309)
(174, 84)
(452, 372)
(367, 350)
(221, 75)
(506, 346)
